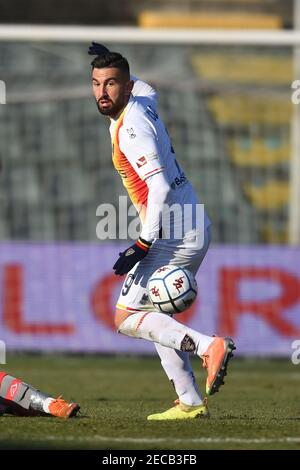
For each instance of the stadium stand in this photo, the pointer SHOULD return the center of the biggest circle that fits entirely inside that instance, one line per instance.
(127, 12)
(224, 20)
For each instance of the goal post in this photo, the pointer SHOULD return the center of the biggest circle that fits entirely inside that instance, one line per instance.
(134, 35)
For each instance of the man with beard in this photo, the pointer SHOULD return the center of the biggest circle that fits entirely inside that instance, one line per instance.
(143, 155)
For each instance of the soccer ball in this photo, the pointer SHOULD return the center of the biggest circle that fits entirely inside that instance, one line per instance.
(172, 289)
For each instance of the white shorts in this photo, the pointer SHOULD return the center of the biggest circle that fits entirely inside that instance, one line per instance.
(134, 295)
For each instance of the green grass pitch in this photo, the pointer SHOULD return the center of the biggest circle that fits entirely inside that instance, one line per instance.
(257, 408)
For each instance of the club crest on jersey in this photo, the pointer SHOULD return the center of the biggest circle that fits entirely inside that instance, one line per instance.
(141, 162)
(131, 133)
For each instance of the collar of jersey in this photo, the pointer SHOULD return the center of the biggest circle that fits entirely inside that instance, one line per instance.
(127, 108)
(115, 123)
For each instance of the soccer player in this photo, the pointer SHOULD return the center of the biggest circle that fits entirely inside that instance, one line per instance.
(21, 399)
(143, 155)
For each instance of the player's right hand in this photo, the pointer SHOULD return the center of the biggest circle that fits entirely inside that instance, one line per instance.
(97, 49)
(131, 256)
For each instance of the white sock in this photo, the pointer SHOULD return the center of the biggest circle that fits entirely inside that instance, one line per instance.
(163, 329)
(178, 369)
(46, 404)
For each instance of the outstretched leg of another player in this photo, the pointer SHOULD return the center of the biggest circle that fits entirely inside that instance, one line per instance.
(21, 399)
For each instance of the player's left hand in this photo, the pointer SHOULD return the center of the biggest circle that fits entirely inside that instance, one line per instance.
(131, 256)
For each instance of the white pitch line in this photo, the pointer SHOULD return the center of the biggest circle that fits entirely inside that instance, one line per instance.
(199, 440)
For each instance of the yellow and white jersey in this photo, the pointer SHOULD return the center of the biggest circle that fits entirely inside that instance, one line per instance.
(142, 154)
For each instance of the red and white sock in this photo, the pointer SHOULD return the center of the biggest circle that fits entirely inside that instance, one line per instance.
(163, 329)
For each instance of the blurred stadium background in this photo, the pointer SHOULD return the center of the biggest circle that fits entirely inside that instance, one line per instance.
(225, 95)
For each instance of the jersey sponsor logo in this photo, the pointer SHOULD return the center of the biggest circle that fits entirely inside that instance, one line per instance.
(131, 133)
(141, 162)
(179, 181)
(152, 156)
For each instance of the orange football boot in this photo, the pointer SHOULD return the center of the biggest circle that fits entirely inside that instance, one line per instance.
(61, 409)
(215, 361)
